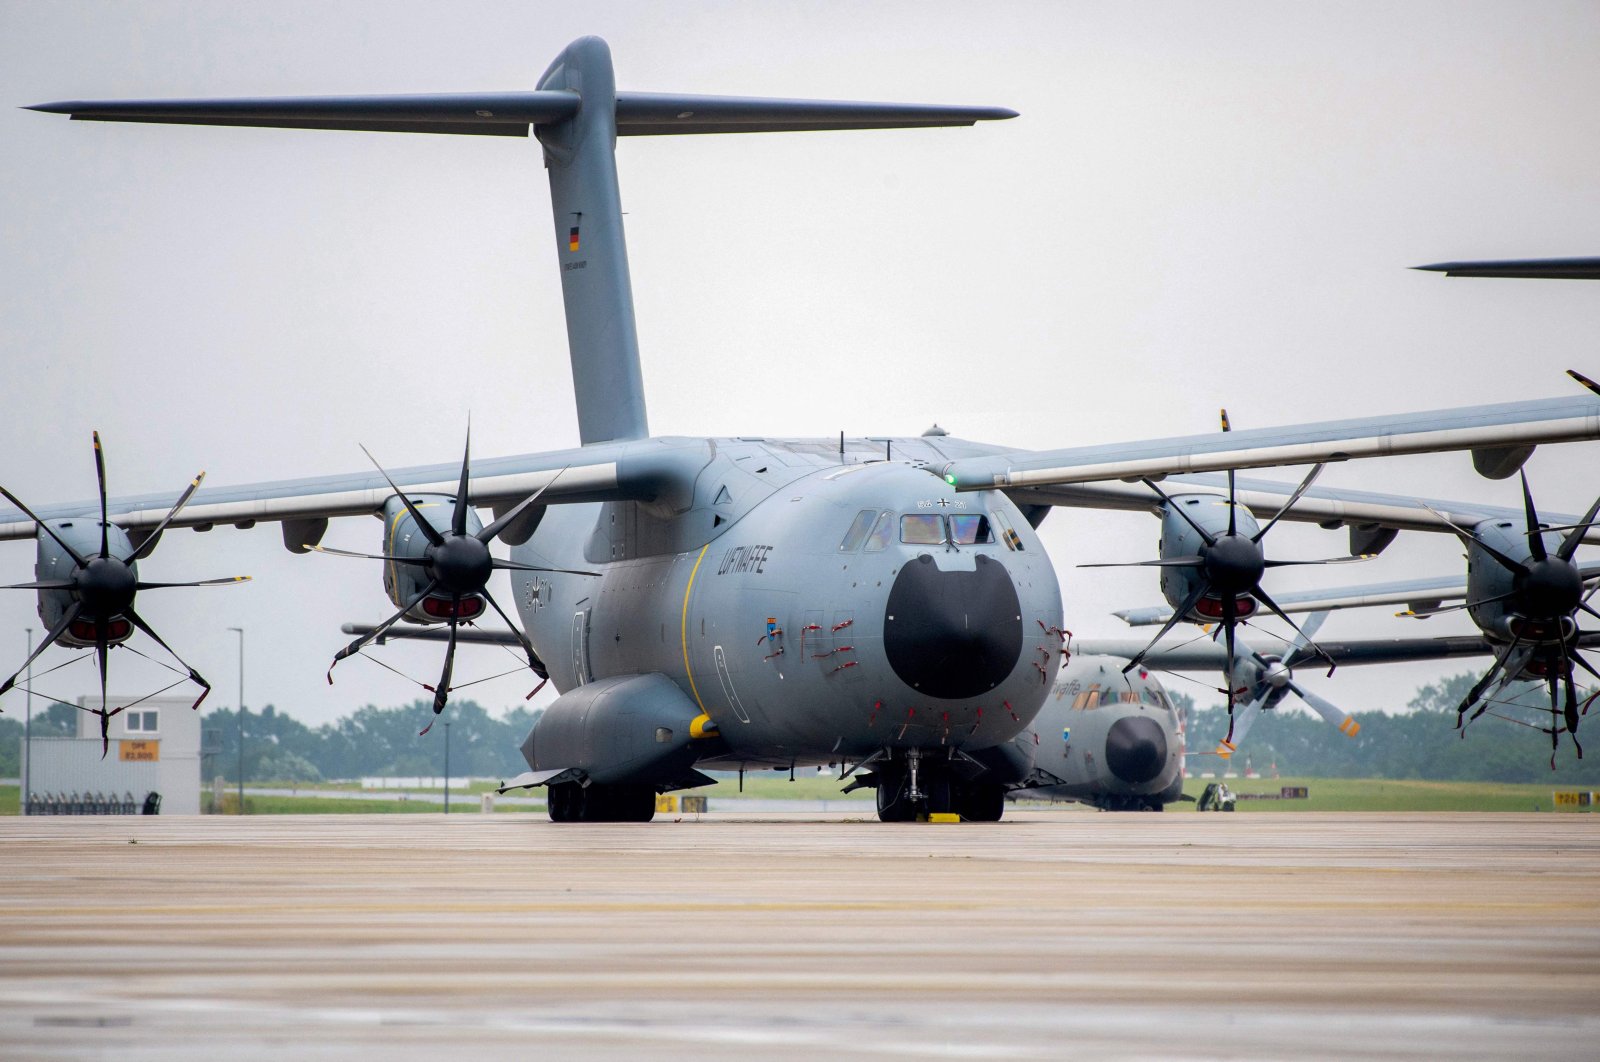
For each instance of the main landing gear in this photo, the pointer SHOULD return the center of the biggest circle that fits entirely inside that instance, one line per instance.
(573, 802)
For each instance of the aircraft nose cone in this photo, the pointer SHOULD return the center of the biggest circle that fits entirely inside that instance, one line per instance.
(1136, 749)
(953, 635)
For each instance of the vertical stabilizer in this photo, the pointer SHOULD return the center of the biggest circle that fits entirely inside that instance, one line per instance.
(577, 114)
(601, 335)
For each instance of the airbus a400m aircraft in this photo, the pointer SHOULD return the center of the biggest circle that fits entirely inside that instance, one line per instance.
(744, 602)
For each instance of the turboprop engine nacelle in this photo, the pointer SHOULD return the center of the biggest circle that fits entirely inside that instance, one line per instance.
(1180, 539)
(635, 728)
(112, 580)
(403, 538)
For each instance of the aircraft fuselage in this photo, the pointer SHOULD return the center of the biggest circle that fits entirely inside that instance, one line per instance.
(832, 606)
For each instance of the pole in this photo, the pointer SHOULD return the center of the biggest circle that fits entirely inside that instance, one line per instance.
(27, 733)
(447, 768)
(240, 631)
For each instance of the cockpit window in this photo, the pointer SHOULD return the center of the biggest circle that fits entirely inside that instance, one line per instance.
(970, 530)
(922, 530)
(882, 532)
(1007, 534)
(858, 531)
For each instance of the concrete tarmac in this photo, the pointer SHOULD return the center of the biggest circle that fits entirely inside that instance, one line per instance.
(1054, 934)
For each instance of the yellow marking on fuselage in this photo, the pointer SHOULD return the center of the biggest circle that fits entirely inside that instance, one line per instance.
(683, 628)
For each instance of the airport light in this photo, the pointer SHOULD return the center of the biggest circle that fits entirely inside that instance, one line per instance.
(240, 631)
(27, 731)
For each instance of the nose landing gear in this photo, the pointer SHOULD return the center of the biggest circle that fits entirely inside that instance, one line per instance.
(918, 790)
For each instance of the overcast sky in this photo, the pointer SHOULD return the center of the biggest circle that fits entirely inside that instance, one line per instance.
(1202, 205)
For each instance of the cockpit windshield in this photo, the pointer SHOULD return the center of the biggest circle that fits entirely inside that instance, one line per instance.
(970, 530)
(922, 529)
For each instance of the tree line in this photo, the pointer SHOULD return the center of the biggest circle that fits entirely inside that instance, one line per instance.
(1504, 745)
(1421, 744)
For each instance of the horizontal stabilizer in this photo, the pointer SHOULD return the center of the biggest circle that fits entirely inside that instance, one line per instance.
(655, 114)
(1529, 268)
(513, 113)
(483, 114)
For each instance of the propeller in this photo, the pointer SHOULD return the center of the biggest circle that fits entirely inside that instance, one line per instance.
(457, 563)
(1229, 566)
(1275, 681)
(96, 597)
(1543, 604)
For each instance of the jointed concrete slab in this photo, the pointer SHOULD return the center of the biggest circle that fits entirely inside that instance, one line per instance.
(1053, 934)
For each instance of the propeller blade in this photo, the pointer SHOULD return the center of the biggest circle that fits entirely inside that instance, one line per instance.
(489, 533)
(1584, 380)
(361, 642)
(1305, 485)
(49, 639)
(433, 537)
(149, 545)
(226, 580)
(77, 558)
(1483, 683)
(1206, 536)
(100, 649)
(1233, 506)
(1166, 562)
(1172, 621)
(534, 663)
(1243, 720)
(441, 692)
(368, 556)
(1261, 596)
(1574, 539)
(1427, 612)
(1358, 558)
(1302, 639)
(1570, 705)
(194, 676)
(1535, 533)
(458, 515)
(100, 474)
(1225, 425)
(1230, 620)
(47, 584)
(1505, 561)
(1328, 710)
(513, 566)
(1577, 658)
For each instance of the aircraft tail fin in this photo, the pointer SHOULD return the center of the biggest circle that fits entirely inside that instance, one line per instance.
(577, 114)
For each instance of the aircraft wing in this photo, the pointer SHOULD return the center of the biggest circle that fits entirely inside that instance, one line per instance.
(1503, 426)
(640, 470)
(1328, 506)
(1208, 656)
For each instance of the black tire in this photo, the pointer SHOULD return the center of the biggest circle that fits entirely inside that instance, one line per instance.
(564, 801)
(893, 806)
(981, 802)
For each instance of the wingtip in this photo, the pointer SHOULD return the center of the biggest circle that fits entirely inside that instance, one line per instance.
(59, 107)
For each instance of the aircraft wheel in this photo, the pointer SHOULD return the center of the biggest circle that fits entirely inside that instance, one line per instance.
(893, 806)
(633, 803)
(981, 802)
(564, 800)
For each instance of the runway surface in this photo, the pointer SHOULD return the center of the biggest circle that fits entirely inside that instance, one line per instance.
(1050, 935)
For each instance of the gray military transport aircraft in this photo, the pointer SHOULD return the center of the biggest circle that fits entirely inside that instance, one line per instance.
(732, 602)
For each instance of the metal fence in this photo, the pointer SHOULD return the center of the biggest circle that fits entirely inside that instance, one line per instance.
(92, 804)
